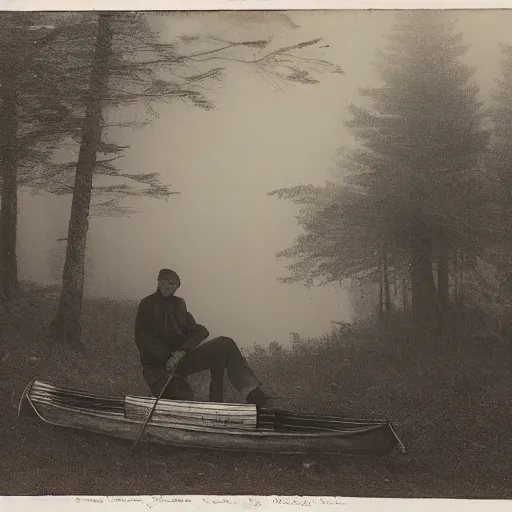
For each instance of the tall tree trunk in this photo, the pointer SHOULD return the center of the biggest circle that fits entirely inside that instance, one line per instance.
(462, 275)
(395, 284)
(424, 300)
(381, 290)
(9, 190)
(456, 276)
(443, 275)
(385, 270)
(66, 325)
(405, 294)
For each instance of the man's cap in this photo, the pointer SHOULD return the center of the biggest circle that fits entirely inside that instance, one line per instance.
(168, 274)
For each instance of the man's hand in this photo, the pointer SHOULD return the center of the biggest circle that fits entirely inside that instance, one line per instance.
(173, 360)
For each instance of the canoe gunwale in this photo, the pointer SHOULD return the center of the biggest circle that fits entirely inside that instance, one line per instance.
(200, 429)
(26, 398)
(116, 424)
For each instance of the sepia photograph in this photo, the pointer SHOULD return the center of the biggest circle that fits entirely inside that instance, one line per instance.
(256, 253)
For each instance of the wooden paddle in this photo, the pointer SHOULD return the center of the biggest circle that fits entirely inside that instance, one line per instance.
(153, 409)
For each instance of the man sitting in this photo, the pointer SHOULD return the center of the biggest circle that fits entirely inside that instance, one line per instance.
(169, 341)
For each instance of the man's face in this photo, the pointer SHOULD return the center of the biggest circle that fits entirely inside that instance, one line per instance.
(167, 287)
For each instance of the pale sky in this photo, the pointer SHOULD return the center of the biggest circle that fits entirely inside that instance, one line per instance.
(222, 232)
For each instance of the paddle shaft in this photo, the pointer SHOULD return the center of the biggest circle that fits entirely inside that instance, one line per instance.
(153, 409)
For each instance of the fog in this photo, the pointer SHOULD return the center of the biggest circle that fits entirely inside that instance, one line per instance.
(222, 233)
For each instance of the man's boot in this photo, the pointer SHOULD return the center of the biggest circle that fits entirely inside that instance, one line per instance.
(258, 397)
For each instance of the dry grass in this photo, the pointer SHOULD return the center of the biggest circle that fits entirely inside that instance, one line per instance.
(447, 397)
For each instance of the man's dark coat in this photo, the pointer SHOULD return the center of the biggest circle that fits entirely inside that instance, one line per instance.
(163, 325)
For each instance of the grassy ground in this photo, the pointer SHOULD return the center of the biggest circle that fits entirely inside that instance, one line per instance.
(448, 398)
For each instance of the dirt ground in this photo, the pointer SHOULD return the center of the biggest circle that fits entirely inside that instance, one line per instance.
(449, 455)
(43, 460)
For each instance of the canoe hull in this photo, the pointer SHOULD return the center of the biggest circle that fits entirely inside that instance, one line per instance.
(375, 439)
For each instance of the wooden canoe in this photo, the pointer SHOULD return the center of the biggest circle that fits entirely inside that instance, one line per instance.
(207, 425)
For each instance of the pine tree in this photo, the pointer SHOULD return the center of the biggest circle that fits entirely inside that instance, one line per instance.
(500, 168)
(118, 76)
(417, 174)
(29, 115)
